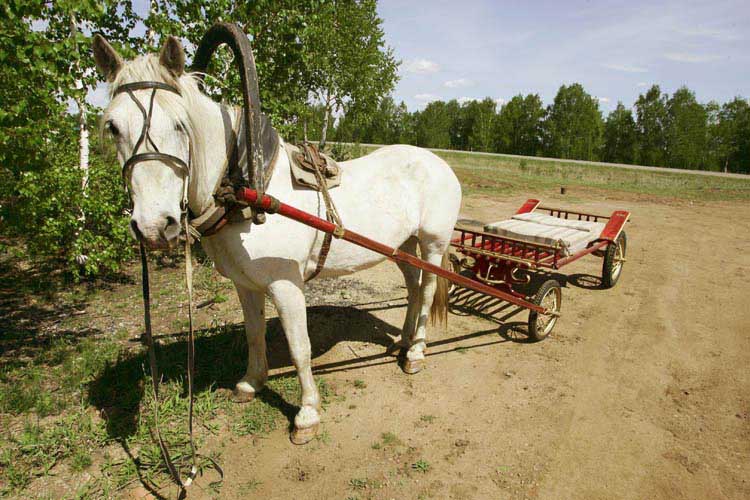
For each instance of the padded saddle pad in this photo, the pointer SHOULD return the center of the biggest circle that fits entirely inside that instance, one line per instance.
(305, 177)
(570, 235)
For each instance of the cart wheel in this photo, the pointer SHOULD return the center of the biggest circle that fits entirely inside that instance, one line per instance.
(614, 258)
(550, 297)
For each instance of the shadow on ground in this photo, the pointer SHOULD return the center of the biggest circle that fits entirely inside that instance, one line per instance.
(221, 359)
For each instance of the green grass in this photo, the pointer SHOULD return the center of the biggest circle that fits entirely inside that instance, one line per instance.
(360, 384)
(421, 466)
(72, 383)
(493, 175)
(363, 483)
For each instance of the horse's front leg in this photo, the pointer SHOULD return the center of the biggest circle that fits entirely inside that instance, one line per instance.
(290, 304)
(253, 309)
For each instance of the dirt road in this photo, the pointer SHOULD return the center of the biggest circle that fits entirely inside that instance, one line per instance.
(641, 392)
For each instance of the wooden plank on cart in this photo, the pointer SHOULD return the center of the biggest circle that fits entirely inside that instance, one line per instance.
(614, 226)
(529, 206)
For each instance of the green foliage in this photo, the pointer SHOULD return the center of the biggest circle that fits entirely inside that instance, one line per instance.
(574, 125)
(435, 124)
(86, 233)
(343, 151)
(651, 112)
(729, 135)
(477, 120)
(389, 124)
(620, 136)
(674, 131)
(351, 64)
(421, 466)
(519, 126)
(687, 131)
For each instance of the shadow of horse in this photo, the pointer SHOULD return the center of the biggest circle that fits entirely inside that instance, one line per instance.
(221, 359)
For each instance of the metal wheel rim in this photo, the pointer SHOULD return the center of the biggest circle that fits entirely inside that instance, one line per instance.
(551, 301)
(619, 257)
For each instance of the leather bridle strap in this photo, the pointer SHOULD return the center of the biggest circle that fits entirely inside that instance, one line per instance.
(145, 136)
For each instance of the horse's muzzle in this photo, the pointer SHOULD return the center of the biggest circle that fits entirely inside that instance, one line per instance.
(162, 234)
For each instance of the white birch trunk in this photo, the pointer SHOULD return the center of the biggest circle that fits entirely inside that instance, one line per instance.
(83, 146)
(149, 32)
(83, 142)
(324, 131)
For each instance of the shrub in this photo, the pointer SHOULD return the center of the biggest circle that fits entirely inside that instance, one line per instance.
(59, 225)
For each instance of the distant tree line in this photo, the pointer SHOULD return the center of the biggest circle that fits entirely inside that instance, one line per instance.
(659, 130)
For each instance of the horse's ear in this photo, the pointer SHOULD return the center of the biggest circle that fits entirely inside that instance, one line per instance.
(107, 59)
(172, 56)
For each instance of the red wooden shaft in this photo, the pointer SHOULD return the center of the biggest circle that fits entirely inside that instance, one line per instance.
(251, 196)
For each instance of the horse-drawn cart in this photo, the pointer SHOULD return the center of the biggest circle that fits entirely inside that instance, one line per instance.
(536, 239)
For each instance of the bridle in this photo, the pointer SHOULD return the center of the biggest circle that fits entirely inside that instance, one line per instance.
(145, 137)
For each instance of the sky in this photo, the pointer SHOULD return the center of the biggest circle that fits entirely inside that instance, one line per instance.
(616, 49)
(471, 49)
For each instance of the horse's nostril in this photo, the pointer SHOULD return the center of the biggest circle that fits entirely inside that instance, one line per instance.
(136, 231)
(171, 221)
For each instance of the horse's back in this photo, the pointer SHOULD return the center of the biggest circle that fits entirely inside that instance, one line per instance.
(410, 179)
(403, 163)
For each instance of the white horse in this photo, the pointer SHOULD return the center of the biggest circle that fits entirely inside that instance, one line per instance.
(403, 196)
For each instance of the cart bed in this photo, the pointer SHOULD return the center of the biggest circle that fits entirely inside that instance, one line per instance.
(570, 235)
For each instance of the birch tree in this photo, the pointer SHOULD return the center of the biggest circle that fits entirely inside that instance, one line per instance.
(348, 59)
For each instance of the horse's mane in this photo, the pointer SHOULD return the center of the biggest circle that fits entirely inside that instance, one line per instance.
(188, 108)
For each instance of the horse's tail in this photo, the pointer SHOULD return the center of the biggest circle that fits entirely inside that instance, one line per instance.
(439, 309)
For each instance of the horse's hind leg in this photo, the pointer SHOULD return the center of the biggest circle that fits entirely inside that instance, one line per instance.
(413, 360)
(411, 277)
(253, 310)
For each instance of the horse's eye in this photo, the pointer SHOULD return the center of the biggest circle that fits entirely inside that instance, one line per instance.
(113, 128)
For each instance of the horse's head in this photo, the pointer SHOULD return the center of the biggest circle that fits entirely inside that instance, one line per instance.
(148, 121)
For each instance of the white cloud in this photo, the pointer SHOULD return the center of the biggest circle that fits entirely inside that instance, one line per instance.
(690, 58)
(641, 84)
(425, 98)
(459, 83)
(627, 68)
(464, 100)
(721, 34)
(603, 100)
(421, 66)
(500, 102)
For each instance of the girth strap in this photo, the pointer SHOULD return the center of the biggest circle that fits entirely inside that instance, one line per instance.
(311, 157)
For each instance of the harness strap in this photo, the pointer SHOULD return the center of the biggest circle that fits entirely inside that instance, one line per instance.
(312, 156)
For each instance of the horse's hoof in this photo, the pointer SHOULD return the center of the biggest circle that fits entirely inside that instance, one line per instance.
(240, 396)
(411, 367)
(303, 436)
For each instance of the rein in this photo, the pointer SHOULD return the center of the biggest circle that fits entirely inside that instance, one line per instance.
(184, 169)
